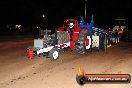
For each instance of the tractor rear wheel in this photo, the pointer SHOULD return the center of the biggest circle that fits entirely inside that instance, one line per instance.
(80, 44)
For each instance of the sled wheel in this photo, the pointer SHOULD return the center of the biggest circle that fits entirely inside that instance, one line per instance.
(54, 54)
(81, 80)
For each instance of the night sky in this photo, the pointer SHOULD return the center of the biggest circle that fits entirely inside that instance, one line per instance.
(29, 12)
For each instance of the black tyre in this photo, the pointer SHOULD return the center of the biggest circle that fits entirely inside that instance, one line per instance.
(81, 80)
(101, 41)
(80, 44)
(106, 42)
(54, 54)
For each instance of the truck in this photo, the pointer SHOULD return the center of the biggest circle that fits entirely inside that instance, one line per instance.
(120, 28)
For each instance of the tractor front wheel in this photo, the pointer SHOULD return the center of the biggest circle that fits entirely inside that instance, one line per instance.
(54, 54)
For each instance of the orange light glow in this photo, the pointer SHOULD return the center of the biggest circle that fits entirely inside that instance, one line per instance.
(81, 71)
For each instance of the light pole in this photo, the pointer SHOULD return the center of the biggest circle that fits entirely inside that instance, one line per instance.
(85, 8)
(43, 17)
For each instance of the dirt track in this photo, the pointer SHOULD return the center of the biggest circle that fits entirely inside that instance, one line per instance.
(16, 71)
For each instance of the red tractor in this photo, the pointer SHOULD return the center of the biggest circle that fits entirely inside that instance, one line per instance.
(70, 35)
